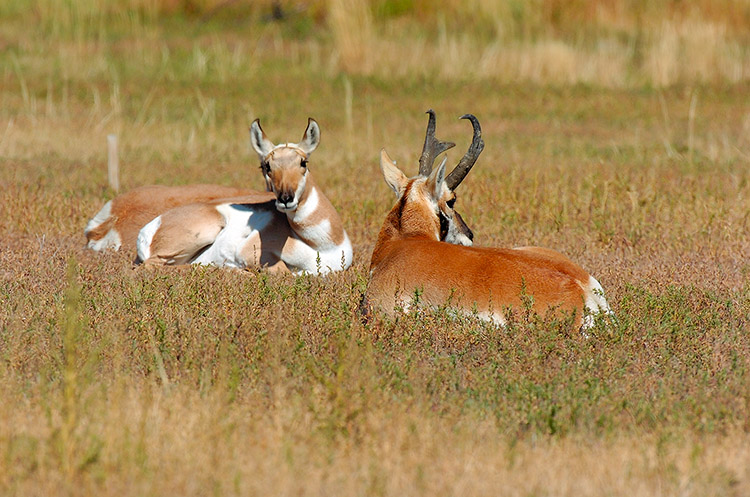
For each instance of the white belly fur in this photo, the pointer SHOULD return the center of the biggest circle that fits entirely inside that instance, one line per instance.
(301, 257)
(243, 225)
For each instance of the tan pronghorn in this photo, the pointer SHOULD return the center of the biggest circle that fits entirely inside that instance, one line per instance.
(292, 226)
(408, 258)
(298, 229)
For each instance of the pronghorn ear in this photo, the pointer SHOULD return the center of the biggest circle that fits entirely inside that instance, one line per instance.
(436, 179)
(258, 139)
(311, 138)
(392, 174)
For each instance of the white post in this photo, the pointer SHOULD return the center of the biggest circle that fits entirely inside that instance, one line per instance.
(113, 166)
(349, 115)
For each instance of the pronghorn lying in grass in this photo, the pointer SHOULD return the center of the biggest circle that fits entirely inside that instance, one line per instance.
(409, 260)
(293, 226)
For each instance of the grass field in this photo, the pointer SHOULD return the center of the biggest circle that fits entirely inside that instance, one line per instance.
(117, 380)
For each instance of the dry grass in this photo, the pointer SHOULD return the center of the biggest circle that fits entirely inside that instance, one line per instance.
(610, 43)
(193, 381)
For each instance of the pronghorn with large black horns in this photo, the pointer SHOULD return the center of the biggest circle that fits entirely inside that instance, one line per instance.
(408, 258)
(298, 229)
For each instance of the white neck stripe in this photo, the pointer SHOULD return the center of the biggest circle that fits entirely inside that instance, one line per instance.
(307, 207)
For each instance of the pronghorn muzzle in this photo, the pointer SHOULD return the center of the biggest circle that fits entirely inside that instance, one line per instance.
(285, 200)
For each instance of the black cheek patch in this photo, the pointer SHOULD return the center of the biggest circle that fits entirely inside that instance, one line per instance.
(444, 225)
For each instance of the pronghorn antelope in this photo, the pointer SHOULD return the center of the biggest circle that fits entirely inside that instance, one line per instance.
(292, 226)
(408, 258)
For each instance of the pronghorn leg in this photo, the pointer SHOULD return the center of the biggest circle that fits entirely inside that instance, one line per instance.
(278, 268)
(179, 235)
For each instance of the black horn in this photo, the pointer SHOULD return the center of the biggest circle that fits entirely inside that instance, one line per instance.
(432, 147)
(470, 157)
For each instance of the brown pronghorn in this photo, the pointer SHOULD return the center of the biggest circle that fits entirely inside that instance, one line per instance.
(298, 229)
(292, 226)
(408, 258)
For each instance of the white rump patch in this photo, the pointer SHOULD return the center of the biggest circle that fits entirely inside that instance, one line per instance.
(111, 239)
(100, 217)
(145, 237)
(595, 304)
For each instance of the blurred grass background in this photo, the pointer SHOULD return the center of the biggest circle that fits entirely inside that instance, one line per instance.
(617, 132)
(604, 42)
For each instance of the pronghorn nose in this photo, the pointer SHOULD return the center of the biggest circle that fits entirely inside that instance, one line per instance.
(286, 197)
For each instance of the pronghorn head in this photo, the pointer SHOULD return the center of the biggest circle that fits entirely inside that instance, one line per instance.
(426, 202)
(284, 165)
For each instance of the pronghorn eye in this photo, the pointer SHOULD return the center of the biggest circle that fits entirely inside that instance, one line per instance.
(303, 163)
(451, 202)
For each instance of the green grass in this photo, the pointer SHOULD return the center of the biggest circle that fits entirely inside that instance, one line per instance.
(193, 381)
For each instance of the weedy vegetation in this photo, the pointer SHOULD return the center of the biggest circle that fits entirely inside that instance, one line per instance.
(617, 133)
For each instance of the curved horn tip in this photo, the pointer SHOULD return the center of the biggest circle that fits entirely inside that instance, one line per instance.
(473, 119)
(431, 121)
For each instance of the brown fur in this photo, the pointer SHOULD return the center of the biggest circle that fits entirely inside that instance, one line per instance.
(185, 230)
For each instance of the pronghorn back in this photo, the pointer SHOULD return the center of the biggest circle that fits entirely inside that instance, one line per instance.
(117, 224)
(482, 278)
